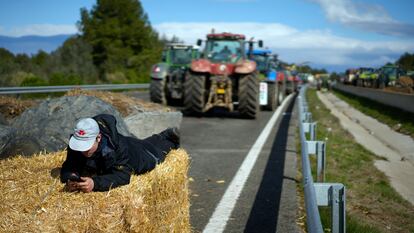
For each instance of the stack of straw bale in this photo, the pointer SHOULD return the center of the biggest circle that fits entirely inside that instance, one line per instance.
(34, 200)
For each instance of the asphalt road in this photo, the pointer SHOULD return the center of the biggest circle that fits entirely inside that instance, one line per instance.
(217, 144)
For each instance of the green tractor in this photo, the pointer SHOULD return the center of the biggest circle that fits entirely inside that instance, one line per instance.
(366, 77)
(168, 76)
(388, 75)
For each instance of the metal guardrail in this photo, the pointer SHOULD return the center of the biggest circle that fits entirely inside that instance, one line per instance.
(318, 194)
(49, 89)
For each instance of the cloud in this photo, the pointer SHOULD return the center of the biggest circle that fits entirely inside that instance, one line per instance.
(320, 47)
(39, 30)
(368, 17)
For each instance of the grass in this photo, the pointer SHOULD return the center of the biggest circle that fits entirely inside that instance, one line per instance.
(395, 118)
(372, 204)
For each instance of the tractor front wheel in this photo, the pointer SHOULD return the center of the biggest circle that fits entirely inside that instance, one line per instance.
(194, 94)
(249, 96)
(157, 91)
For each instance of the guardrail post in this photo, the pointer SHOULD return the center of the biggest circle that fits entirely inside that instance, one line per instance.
(334, 196)
(318, 148)
(308, 117)
(311, 129)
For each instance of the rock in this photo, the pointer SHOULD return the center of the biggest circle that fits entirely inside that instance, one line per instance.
(48, 126)
(5, 132)
(3, 120)
(145, 124)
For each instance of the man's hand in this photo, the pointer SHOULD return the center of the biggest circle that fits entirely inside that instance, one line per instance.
(72, 186)
(86, 185)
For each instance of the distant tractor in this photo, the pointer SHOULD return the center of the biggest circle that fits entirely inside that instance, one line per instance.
(167, 77)
(388, 75)
(350, 76)
(272, 92)
(223, 77)
(366, 77)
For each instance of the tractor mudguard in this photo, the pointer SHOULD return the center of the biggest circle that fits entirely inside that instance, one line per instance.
(245, 67)
(201, 66)
(159, 71)
(280, 76)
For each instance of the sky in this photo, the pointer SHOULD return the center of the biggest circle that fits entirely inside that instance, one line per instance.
(332, 34)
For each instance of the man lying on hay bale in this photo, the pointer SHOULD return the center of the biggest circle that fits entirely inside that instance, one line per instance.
(99, 158)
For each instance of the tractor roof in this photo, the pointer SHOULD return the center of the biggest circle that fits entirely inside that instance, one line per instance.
(391, 65)
(179, 46)
(365, 68)
(262, 52)
(225, 36)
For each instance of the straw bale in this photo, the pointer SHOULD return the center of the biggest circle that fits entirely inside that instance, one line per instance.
(123, 103)
(11, 107)
(34, 200)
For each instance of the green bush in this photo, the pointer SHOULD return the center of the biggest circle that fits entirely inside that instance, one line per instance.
(33, 80)
(58, 79)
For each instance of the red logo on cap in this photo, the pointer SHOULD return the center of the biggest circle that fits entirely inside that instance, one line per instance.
(81, 132)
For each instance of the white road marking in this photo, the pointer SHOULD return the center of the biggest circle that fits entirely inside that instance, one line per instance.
(222, 213)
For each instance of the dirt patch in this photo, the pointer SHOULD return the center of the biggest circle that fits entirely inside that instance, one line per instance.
(11, 107)
(123, 103)
(406, 81)
(407, 90)
(405, 85)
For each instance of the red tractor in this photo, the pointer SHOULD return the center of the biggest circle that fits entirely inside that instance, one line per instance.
(223, 77)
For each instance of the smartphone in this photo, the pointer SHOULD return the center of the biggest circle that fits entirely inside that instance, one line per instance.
(75, 178)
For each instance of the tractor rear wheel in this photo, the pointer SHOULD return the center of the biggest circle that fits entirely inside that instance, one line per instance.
(290, 87)
(194, 94)
(157, 91)
(249, 96)
(272, 96)
(282, 93)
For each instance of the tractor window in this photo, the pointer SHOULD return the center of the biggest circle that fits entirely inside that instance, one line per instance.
(181, 56)
(390, 71)
(164, 56)
(261, 62)
(223, 50)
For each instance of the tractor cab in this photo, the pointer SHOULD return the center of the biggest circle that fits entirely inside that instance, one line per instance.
(390, 70)
(224, 47)
(389, 74)
(264, 60)
(179, 54)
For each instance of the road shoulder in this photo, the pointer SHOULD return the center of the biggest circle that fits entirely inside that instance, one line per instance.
(395, 165)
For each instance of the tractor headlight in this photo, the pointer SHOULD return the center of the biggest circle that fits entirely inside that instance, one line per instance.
(157, 69)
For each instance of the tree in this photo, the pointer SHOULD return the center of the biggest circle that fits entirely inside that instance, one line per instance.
(121, 37)
(40, 58)
(406, 61)
(72, 59)
(7, 64)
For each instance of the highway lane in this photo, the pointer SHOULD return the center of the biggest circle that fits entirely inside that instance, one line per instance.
(217, 144)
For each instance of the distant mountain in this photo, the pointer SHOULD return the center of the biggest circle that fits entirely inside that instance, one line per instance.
(32, 44)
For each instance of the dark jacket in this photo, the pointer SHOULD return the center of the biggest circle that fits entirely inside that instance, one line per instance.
(116, 158)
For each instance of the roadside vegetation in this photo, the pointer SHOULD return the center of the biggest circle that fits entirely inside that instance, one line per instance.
(116, 44)
(372, 204)
(395, 118)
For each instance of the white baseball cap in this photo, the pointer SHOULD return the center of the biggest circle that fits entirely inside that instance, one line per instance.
(86, 131)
